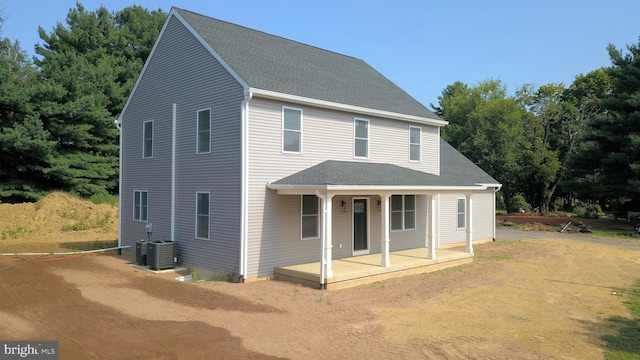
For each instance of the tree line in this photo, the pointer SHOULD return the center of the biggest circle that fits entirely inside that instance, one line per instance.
(57, 110)
(549, 146)
(555, 146)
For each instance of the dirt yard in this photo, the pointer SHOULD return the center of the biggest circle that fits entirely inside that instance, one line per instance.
(526, 296)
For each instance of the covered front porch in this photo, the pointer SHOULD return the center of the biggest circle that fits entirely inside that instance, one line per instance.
(366, 269)
(338, 206)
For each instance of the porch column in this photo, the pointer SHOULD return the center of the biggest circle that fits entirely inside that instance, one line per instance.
(327, 233)
(469, 222)
(384, 231)
(431, 223)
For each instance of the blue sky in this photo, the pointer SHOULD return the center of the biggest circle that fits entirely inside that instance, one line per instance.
(421, 45)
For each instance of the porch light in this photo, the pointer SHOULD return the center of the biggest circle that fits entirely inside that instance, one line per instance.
(344, 206)
(379, 203)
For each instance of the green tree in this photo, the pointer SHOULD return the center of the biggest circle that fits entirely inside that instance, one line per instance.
(486, 126)
(24, 143)
(614, 138)
(583, 100)
(87, 70)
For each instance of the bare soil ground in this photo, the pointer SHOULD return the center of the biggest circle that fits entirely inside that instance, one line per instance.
(528, 295)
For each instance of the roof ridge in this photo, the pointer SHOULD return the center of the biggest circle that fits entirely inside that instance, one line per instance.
(270, 34)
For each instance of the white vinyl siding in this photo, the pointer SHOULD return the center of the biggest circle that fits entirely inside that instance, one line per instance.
(403, 212)
(147, 139)
(361, 138)
(202, 215)
(140, 205)
(415, 143)
(462, 213)
(291, 130)
(204, 131)
(310, 219)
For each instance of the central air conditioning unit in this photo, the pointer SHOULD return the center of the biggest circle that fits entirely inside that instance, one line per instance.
(160, 255)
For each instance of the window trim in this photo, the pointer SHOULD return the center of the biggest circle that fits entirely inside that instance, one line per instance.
(316, 215)
(464, 213)
(198, 193)
(208, 151)
(419, 144)
(404, 212)
(145, 139)
(141, 206)
(355, 138)
(284, 130)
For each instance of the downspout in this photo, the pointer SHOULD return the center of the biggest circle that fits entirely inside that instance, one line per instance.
(323, 257)
(118, 124)
(174, 120)
(244, 206)
(495, 191)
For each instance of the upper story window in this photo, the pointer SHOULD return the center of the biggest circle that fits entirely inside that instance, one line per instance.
(204, 131)
(310, 219)
(147, 139)
(403, 212)
(361, 138)
(291, 130)
(140, 205)
(415, 141)
(462, 213)
(202, 215)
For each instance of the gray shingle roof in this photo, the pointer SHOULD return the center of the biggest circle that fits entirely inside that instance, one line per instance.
(285, 66)
(455, 170)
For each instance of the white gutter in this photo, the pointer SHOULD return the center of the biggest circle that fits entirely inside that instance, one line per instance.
(268, 94)
(495, 190)
(174, 120)
(244, 205)
(297, 189)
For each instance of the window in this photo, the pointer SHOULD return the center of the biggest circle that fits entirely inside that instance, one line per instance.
(140, 204)
(204, 131)
(202, 215)
(361, 138)
(310, 218)
(291, 130)
(403, 212)
(147, 139)
(415, 138)
(462, 212)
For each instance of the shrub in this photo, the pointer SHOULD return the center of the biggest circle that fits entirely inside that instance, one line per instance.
(518, 201)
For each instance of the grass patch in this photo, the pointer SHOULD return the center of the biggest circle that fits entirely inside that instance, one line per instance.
(109, 199)
(15, 233)
(84, 222)
(626, 344)
(491, 256)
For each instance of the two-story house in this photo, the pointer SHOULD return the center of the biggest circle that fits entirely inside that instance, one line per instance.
(254, 152)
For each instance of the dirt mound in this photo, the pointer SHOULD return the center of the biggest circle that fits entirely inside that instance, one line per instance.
(55, 219)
